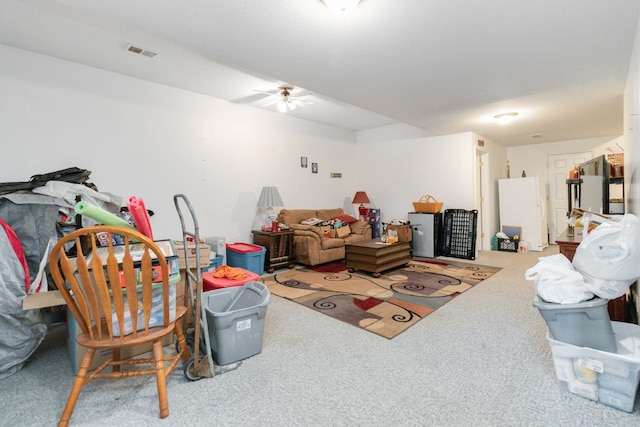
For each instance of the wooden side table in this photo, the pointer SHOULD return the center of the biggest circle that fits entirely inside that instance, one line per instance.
(279, 245)
(567, 245)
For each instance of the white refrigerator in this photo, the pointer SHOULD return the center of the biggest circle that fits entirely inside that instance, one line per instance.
(523, 204)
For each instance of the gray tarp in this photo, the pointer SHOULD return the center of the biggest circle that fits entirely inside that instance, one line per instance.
(21, 332)
(33, 218)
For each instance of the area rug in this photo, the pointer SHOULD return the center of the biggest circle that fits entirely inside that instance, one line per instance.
(387, 305)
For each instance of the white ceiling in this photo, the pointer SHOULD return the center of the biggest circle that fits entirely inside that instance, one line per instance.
(445, 66)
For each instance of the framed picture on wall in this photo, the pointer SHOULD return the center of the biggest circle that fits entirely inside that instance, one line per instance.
(314, 167)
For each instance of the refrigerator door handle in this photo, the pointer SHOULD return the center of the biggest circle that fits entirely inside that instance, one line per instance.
(542, 211)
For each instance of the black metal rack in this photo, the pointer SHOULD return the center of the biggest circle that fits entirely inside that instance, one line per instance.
(459, 237)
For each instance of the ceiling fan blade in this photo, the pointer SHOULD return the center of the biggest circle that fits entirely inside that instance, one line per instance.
(302, 102)
(271, 102)
(267, 93)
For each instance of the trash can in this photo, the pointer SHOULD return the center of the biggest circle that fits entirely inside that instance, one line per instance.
(584, 324)
(235, 319)
(247, 256)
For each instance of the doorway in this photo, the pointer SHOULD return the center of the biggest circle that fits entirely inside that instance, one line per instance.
(483, 237)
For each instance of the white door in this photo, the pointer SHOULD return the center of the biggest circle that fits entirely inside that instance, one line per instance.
(558, 167)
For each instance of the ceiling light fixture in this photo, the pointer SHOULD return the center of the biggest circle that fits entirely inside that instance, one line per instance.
(286, 104)
(341, 6)
(505, 118)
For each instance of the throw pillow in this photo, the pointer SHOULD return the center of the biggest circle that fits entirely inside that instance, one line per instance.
(345, 218)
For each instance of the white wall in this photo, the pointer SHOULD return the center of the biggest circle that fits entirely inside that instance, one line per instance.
(632, 132)
(152, 141)
(396, 172)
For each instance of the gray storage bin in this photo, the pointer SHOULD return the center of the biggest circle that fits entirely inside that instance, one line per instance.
(235, 317)
(584, 324)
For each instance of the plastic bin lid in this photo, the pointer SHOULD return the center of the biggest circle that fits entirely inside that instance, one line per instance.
(540, 303)
(243, 247)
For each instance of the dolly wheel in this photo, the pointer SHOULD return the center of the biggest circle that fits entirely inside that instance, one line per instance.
(189, 371)
(190, 339)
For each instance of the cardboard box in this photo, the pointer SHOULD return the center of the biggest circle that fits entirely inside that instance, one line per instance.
(323, 230)
(205, 255)
(343, 231)
(404, 232)
(77, 352)
(183, 298)
(50, 298)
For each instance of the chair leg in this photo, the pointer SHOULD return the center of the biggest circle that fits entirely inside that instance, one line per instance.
(78, 383)
(116, 358)
(182, 342)
(161, 379)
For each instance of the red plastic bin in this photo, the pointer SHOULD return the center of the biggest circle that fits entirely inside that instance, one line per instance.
(210, 283)
(243, 248)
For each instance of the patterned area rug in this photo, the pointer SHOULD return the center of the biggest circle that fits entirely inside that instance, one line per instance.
(387, 305)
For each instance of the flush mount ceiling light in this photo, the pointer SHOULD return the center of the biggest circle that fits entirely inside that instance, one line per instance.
(341, 6)
(505, 117)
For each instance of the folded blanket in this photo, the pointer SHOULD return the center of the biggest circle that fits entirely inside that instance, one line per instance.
(224, 271)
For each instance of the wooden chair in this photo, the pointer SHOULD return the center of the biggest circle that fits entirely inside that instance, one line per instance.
(106, 295)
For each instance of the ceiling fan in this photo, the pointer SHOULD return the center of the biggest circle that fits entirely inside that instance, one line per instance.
(284, 99)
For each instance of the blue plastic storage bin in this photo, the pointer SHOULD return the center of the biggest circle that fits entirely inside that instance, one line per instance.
(215, 263)
(247, 256)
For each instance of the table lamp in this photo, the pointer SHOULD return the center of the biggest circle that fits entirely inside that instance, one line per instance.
(269, 197)
(361, 197)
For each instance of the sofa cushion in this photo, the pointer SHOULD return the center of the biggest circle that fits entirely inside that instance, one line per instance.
(332, 243)
(295, 216)
(346, 218)
(358, 227)
(326, 214)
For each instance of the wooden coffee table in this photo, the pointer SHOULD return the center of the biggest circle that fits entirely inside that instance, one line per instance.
(374, 257)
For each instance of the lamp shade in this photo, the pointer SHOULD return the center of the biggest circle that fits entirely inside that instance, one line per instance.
(269, 197)
(360, 197)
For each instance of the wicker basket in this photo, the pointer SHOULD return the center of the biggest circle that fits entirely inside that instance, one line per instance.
(427, 204)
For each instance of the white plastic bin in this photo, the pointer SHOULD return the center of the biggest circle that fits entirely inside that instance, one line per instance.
(606, 377)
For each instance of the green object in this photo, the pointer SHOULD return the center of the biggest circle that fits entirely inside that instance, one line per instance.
(100, 215)
(494, 243)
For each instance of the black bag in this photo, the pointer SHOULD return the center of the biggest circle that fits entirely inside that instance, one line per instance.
(74, 175)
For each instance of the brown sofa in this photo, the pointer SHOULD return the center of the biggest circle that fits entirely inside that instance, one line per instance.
(308, 243)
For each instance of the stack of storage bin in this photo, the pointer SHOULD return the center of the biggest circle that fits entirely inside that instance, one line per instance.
(593, 357)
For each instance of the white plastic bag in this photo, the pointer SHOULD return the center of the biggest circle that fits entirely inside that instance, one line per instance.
(557, 281)
(605, 288)
(611, 251)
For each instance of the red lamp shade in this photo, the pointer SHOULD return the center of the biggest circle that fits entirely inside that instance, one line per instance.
(361, 197)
